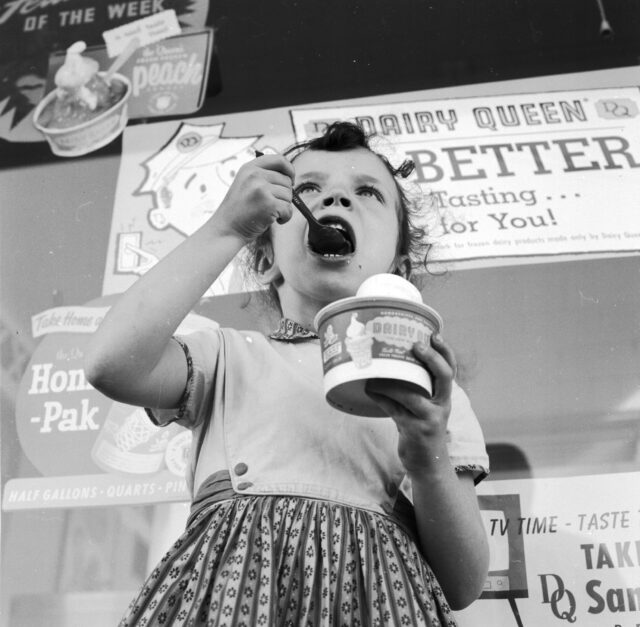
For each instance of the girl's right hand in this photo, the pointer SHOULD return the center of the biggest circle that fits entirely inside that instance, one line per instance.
(259, 195)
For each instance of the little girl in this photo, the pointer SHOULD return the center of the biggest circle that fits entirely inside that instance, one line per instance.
(302, 515)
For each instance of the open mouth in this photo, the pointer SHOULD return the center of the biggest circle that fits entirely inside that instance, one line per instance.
(338, 242)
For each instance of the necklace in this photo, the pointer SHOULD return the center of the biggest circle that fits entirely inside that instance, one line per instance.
(291, 331)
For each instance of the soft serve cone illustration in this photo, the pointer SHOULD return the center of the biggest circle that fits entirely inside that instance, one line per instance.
(359, 342)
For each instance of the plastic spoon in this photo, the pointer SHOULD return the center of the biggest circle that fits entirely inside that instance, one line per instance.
(322, 239)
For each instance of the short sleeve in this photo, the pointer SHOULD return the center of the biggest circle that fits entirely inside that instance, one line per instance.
(202, 352)
(466, 445)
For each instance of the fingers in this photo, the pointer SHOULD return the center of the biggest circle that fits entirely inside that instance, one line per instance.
(281, 184)
(265, 184)
(381, 391)
(397, 396)
(279, 173)
(439, 359)
(276, 163)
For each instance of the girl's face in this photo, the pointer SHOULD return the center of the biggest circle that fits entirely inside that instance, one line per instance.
(352, 189)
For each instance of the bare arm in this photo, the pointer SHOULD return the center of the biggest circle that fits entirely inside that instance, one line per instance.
(452, 536)
(130, 357)
(451, 532)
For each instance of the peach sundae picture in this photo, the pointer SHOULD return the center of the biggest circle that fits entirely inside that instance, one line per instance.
(86, 110)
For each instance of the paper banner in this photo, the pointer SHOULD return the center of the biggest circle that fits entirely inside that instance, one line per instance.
(512, 176)
(563, 551)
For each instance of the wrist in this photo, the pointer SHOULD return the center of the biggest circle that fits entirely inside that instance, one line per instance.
(429, 465)
(219, 227)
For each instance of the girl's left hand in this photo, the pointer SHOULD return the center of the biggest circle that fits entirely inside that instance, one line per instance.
(421, 421)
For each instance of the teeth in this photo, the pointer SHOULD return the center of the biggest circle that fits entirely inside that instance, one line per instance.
(336, 225)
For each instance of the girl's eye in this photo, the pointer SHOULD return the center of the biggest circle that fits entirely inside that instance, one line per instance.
(370, 191)
(307, 187)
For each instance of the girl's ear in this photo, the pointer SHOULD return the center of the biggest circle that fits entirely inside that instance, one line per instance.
(268, 271)
(402, 266)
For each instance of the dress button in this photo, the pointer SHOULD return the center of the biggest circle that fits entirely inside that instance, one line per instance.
(240, 469)
(244, 485)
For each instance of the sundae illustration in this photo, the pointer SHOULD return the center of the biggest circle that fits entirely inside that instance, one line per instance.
(129, 442)
(359, 342)
(81, 92)
(86, 110)
(137, 429)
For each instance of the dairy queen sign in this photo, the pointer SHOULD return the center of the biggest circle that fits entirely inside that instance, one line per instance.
(558, 560)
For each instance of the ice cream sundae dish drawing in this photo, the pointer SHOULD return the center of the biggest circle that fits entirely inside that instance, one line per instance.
(86, 110)
(358, 342)
(129, 442)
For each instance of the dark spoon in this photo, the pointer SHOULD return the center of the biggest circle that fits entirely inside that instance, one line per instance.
(322, 239)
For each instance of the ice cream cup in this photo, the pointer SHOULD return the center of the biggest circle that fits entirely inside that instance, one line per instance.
(81, 139)
(371, 337)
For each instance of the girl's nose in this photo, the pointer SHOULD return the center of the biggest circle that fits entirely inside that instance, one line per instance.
(337, 199)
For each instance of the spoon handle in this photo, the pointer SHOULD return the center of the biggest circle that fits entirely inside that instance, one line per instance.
(122, 58)
(299, 204)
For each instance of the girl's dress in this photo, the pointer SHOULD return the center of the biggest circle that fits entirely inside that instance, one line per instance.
(302, 514)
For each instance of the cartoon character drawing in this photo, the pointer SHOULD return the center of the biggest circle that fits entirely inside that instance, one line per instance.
(189, 177)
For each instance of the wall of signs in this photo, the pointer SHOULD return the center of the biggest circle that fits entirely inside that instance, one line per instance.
(535, 228)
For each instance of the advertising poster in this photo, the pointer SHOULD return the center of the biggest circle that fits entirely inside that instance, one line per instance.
(31, 30)
(173, 176)
(506, 178)
(87, 450)
(168, 77)
(514, 176)
(564, 551)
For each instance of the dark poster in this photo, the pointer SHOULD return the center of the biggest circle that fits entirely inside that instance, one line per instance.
(30, 30)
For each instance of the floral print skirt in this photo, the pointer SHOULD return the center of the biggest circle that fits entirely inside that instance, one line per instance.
(283, 560)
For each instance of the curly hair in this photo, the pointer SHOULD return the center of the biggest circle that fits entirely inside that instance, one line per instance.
(411, 247)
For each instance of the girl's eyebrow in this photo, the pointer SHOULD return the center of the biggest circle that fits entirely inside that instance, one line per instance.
(317, 175)
(367, 178)
(359, 179)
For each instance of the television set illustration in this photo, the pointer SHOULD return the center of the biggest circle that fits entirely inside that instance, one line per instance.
(507, 578)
